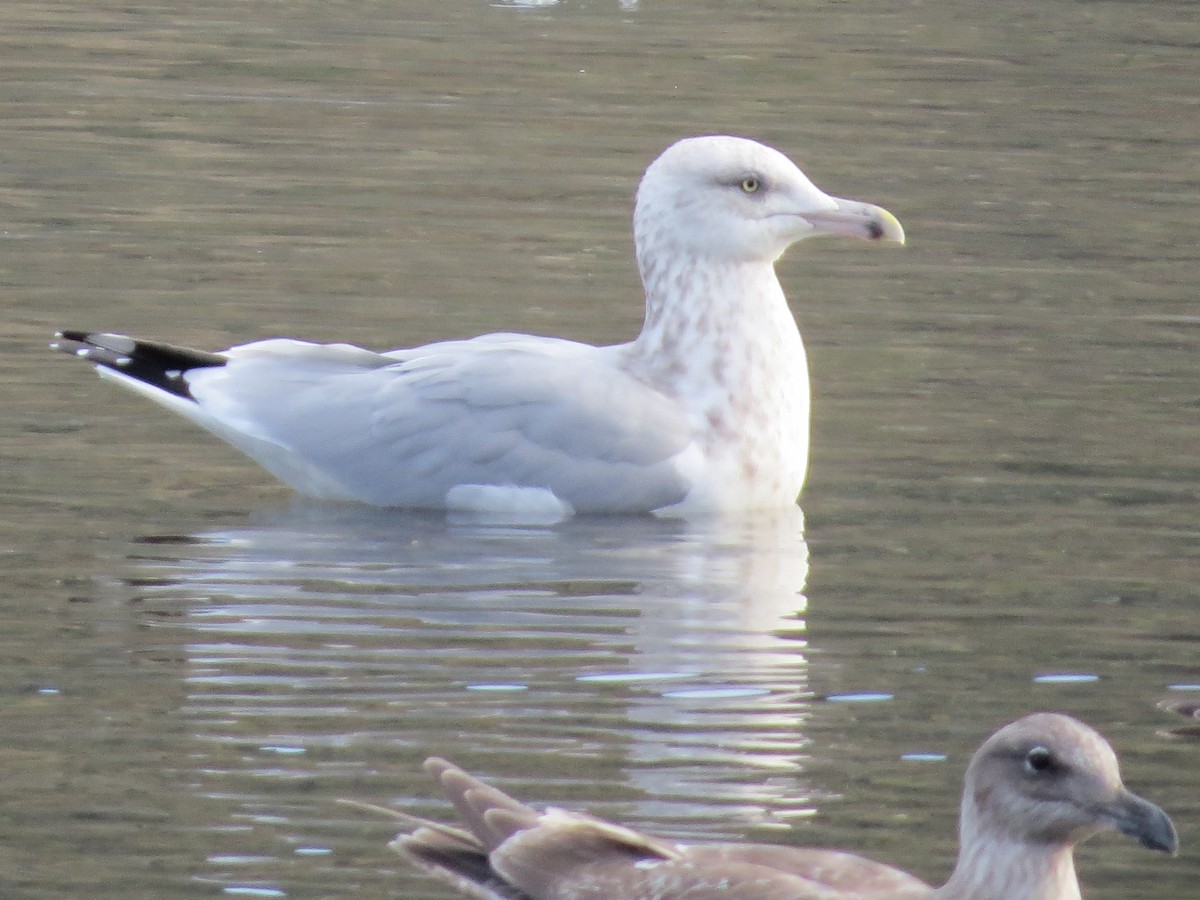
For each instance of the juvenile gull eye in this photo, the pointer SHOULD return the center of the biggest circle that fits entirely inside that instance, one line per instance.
(1038, 760)
(751, 184)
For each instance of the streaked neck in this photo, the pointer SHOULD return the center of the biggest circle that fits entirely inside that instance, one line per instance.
(714, 326)
(721, 341)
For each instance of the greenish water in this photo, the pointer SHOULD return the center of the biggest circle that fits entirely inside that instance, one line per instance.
(1004, 476)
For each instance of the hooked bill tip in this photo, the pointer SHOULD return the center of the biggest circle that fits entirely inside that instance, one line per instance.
(1147, 824)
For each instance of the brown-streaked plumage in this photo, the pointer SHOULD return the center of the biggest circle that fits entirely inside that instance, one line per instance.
(1034, 790)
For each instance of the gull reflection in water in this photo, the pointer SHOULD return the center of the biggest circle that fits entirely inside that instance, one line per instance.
(670, 653)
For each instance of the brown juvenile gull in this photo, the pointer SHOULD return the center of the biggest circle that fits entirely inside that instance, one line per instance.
(1033, 791)
(707, 410)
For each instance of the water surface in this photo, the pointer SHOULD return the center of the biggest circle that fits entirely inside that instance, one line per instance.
(1001, 512)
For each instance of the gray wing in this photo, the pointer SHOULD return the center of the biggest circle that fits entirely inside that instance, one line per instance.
(404, 428)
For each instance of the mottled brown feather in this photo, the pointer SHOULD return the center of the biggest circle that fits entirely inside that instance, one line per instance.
(1033, 791)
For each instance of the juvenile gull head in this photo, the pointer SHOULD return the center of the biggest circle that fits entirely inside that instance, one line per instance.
(1033, 790)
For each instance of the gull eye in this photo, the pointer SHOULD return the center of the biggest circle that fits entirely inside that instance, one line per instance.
(751, 184)
(1039, 760)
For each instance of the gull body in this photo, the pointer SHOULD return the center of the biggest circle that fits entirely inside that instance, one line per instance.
(706, 410)
(1034, 790)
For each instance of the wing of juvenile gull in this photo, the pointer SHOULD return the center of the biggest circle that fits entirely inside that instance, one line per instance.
(707, 409)
(1032, 792)
(561, 854)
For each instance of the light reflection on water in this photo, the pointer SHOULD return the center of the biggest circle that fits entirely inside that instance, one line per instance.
(676, 649)
(655, 671)
(1004, 471)
(669, 655)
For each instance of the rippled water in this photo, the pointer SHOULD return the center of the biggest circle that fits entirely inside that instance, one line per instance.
(1001, 512)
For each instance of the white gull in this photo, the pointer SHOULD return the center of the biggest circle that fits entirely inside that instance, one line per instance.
(1034, 790)
(706, 410)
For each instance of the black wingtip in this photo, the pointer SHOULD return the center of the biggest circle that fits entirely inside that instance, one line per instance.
(68, 335)
(160, 365)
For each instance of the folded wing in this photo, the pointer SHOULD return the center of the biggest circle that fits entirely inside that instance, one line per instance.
(409, 427)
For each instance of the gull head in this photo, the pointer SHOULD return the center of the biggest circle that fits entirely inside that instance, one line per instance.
(729, 198)
(1049, 780)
